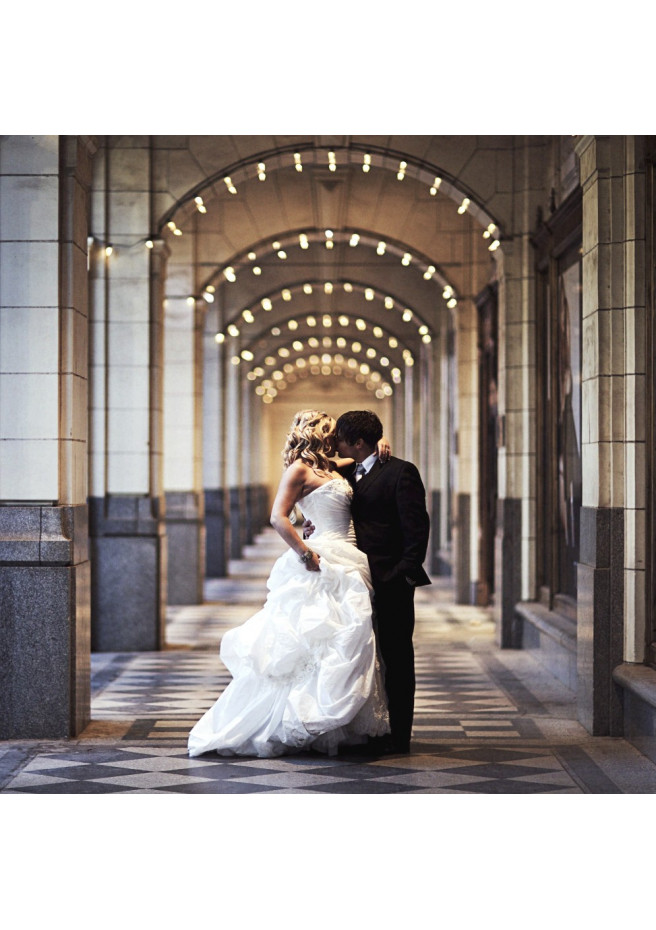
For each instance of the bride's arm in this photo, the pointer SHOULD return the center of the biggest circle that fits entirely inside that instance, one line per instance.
(290, 490)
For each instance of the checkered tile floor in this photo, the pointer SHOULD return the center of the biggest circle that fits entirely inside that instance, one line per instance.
(487, 721)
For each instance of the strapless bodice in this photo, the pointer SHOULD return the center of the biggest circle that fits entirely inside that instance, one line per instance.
(329, 508)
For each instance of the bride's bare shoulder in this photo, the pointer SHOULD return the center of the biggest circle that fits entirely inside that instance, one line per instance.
(298, 468)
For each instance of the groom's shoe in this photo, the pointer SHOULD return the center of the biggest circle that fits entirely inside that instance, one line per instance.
(388, 746)
(397, 749)
(397, 745)
(378, 745)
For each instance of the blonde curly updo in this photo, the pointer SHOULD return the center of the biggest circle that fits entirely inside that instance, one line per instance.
(310, 439)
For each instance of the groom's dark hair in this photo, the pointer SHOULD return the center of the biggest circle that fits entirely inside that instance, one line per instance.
(359, 424)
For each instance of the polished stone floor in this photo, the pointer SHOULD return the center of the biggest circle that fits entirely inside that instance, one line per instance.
(487, 721)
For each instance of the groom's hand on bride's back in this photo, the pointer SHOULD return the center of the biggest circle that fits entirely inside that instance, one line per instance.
(308, 528)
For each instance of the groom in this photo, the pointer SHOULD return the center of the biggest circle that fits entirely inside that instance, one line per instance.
(391, 526)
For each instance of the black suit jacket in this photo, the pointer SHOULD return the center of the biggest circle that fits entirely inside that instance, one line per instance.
(391, 521)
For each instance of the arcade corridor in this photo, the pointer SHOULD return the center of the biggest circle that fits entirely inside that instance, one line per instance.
(488, 721)
(168, 302)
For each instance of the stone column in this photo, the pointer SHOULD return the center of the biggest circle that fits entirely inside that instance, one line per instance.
(427, 432)
(183, 399)
(259, 462)
(249, 520)
(466, 516)
(611, 570)
(440, 532)
(408, 412)
(216, 534)
(515, 547)
(515, 557)
(430, 458)
(44, 566)
(233, 446)
(126, 505)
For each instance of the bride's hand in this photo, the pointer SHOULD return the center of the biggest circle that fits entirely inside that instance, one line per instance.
(384, 449)
(312, 565)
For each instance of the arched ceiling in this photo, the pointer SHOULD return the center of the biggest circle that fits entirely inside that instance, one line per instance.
(365, 229)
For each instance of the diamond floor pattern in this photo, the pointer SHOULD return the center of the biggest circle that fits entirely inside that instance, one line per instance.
(487, 721)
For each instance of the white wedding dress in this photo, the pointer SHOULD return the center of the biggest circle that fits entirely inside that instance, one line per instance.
(305, 669)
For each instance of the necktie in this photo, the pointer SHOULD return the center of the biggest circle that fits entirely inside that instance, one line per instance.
(359, 471)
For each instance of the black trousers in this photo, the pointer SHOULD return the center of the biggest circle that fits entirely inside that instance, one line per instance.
(395, 623)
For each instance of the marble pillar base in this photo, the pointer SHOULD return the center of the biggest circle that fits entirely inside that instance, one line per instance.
(600, 612)
(462, 539)
(233, 517)
(185, 534)
(551, 638)
(237, 521)
(508, 572)
(440, 557)
(216, 533)
(128, 549)
(44, 635)
(637, 693)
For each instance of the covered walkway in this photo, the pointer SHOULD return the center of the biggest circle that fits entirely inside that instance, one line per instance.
(488, 721)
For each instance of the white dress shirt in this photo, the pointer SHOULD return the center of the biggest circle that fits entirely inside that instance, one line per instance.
(369, 462)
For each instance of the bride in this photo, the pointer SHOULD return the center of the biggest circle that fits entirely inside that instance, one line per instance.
(305, 668)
